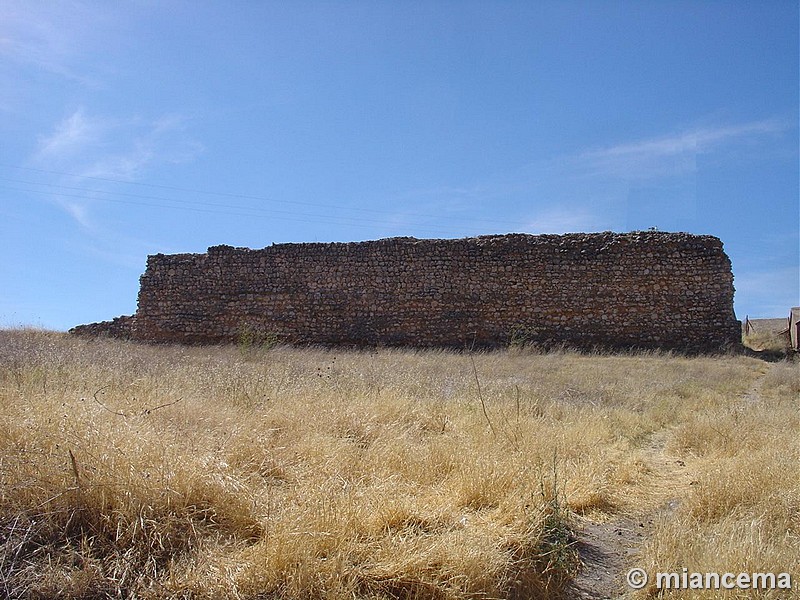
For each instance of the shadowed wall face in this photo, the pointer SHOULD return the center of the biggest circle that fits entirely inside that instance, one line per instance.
(644, 289)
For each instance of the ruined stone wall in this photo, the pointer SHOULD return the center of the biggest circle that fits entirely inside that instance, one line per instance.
(643, 289)
(118, 327)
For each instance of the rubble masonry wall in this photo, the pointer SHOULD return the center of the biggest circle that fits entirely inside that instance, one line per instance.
(641, 289)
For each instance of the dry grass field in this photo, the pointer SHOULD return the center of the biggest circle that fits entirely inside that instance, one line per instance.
(132, 471)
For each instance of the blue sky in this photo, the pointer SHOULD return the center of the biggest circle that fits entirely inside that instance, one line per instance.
(135, 127)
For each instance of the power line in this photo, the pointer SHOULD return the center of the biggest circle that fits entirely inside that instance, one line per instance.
(220, 194)
(189, 203)
(266, 211)
(241, 211)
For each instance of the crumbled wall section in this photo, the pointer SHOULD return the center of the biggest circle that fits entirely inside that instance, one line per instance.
(643, 289)
(118, 327)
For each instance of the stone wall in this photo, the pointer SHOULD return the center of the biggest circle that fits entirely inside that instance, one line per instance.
(118, 327)
(642, 289)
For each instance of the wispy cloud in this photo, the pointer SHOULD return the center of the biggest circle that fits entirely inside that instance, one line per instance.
(99, 146)
(78, 211)
(72, 136)
(637, 183)
(47, 36)
(111, 148)
(674, 153)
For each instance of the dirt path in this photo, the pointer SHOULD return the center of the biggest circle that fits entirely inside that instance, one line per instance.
(754, 393)
(608, 550)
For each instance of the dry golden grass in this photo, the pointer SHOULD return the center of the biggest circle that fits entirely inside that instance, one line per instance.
(162, 472)
(768, 341)
(743, 512)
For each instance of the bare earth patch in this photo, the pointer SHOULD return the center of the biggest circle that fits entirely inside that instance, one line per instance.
(609, 549)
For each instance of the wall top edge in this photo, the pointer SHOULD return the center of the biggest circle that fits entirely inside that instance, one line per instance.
(607, 237)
